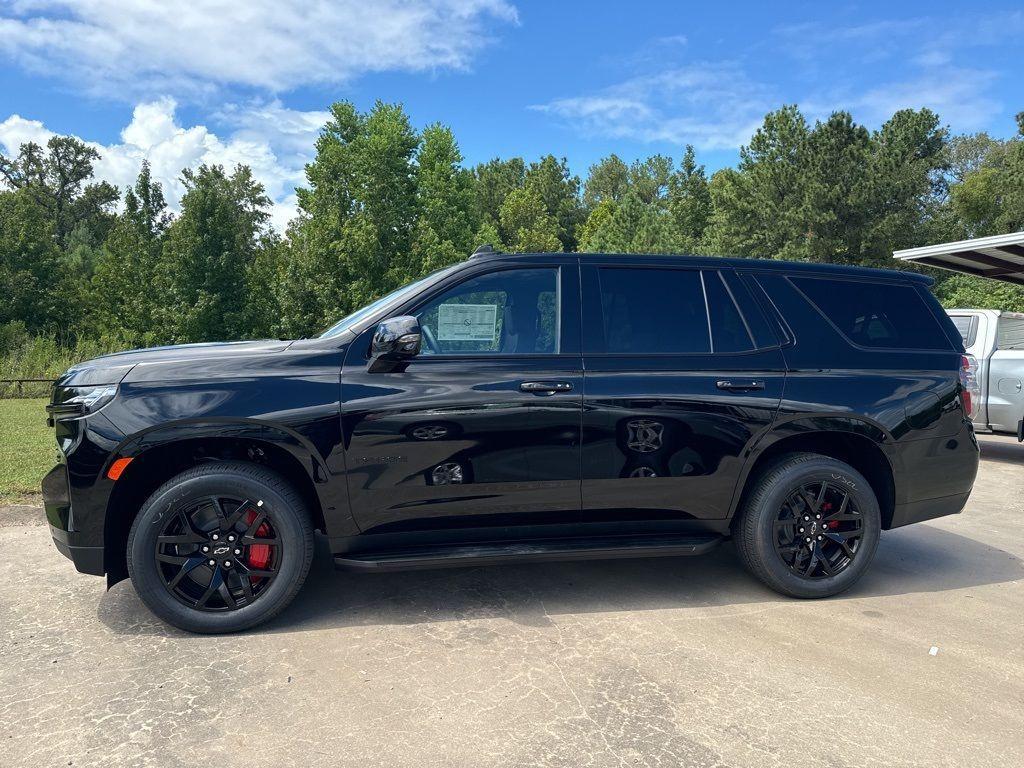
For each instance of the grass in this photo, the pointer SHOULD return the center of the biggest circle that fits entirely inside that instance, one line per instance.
(27, 450)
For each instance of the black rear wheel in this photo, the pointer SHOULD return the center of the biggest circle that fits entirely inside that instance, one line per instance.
(818, 529)
(809, 526)
(220, 547)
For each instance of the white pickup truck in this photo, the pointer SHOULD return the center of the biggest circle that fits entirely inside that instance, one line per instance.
(994, 341)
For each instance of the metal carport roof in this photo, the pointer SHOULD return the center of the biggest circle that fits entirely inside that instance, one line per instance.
(1000, 257)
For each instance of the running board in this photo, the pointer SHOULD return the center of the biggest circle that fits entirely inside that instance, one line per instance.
(594, 548)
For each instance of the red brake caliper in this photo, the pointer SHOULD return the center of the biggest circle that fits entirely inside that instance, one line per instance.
(827, 507)
(259, 554)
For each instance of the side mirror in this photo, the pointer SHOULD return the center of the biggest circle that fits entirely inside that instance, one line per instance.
(395, 341)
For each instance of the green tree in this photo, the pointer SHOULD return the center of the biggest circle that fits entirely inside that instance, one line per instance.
(263, 276)
(79, 214)
(57, 180)
(975, 205)
(632, 226)
(756, 206)
(906, 179)
(986, 188)
(969, 292)
(591, 229)
(352, 241)
(835, 206)
(448, 222)
(607, 182)
(1011, 216)
(387, 200)
(29, 263)
(649, 179)
(494, 181)
(689, 202)
(315, 269)
(559, 190)
(529, 226)
(123, 301)
(969, 153)
(650, 206)
(831, 193)
(208, 252)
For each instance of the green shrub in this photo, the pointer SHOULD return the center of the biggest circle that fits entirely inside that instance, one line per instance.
(23, 356)
(968, 292)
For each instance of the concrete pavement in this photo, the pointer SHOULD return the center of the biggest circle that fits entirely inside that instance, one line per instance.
(665, 662)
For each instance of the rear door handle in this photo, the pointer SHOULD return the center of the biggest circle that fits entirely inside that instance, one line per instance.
(739, 385)
(545, 387)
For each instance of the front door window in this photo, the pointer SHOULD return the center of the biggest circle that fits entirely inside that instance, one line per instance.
(509, 312)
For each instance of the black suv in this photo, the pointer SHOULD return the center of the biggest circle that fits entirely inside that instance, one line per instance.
(523, 407)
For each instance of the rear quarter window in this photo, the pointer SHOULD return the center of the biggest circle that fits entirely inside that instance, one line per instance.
(875, 314)
(966, 326)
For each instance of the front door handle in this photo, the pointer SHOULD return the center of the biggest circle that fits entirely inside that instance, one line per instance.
(739, 385)
(545, 387)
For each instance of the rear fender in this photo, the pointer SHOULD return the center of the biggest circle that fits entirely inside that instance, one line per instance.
(811, 427)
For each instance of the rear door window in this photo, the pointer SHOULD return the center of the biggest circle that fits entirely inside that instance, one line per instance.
(875, 314)
(654, 311)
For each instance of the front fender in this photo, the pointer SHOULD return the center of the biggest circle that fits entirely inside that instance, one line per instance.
(295, 443)
(328, 485)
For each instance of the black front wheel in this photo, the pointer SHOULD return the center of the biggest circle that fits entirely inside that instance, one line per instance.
(220, 547)
(809, 526)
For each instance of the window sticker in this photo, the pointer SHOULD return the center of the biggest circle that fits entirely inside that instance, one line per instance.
(466, 322)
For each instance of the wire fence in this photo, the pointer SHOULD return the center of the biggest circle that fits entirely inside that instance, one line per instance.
(17, 388)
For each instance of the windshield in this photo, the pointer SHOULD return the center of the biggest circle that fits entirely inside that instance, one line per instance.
(360, 314)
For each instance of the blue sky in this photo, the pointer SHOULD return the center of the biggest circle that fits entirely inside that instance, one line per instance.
(216, 81)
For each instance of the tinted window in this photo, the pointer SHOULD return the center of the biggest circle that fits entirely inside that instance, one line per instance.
(729, 331)
(873, 314)
(511, 312)
(779, 330)
(653, 311)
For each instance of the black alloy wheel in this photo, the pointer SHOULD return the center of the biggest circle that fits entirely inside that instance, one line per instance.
(220, 547)
(808, 525)
(818, 530)
(218, 554)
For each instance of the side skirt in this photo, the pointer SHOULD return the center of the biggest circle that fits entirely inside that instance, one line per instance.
(537, 550)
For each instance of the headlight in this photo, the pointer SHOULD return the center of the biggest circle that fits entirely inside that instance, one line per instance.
(72, 402)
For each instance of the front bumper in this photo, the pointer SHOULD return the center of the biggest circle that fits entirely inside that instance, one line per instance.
(87, 558)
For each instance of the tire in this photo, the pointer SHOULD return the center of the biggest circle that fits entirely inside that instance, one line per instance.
(194, 508)
(780, 504)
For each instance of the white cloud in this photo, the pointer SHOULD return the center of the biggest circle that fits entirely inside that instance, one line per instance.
(273, 140)
(710, 105)
(934, 62)
(871, 69)
(126, 47)
(959, 96)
